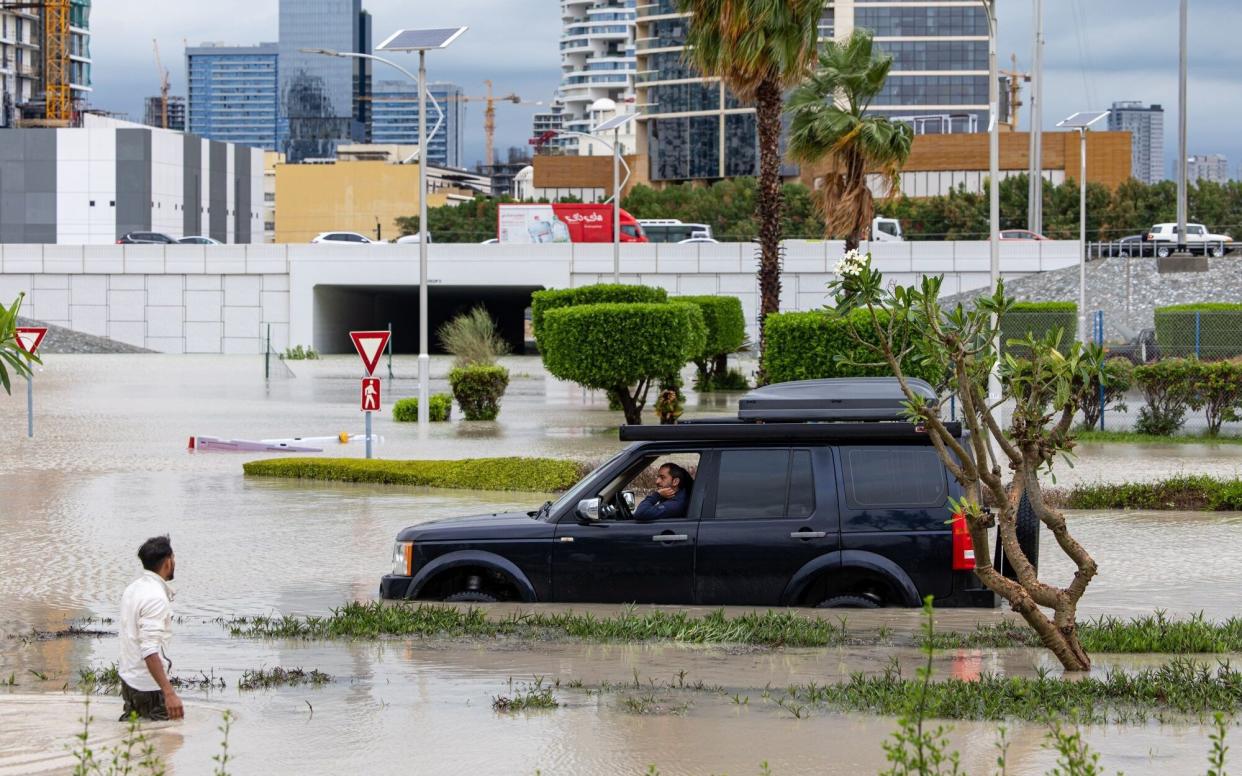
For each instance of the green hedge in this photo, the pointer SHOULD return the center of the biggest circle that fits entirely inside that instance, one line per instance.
(406, 410)
(1220, 330)
(478, 390)
(1038, 319)
(725, 321)
(539, 475)
(803, 346)
(610, 345)
(543, 301)
(1187, 492)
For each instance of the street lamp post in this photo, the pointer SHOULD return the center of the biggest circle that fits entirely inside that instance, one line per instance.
(994, 386)
(1183, 31)
(420, 41)
(1082, 122)
(615, 125)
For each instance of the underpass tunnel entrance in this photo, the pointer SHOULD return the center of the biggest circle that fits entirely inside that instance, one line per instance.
(341, 309)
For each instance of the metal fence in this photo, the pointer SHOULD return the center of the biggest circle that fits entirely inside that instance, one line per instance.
(1136, 247)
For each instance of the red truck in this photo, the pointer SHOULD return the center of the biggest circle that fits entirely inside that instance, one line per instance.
(522, 224)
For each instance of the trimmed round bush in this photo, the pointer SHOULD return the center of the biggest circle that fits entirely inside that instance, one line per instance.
(725, 322)
(406, 410)
(478, 390)
(600, 293)
(610, 345)
(622, 348)
(805, 346)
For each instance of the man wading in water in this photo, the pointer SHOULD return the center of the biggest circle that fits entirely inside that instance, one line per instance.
(146, 626)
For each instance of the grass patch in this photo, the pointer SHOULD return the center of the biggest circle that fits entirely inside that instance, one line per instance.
(375, 620)
(1135, 438)
(1151, 634)
(538, 475)
(528, 695)
(267, 678)
(1181, 687)
(1194, 492)
(100, 679)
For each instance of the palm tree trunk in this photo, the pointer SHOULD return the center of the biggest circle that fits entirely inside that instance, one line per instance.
(769, 101)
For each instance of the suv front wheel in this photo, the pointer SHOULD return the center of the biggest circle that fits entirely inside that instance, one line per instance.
(849, 602)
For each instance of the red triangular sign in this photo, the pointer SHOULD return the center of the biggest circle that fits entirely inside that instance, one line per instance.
(29, 338)
(370, 346)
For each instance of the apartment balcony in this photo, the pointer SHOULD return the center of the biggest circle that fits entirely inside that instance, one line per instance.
(658, 8)
(658, 44)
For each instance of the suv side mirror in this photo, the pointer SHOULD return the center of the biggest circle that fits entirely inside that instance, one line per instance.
(628, 497)
(588, 510)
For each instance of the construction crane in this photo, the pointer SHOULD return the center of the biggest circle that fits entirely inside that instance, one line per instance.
(489, 113)
(58, 95)
(164, 86)
(1016, 79)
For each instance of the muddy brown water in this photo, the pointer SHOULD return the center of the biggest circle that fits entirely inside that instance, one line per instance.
(108, 468)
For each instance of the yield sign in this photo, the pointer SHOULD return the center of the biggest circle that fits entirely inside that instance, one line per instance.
(370, 345)
(29, 338)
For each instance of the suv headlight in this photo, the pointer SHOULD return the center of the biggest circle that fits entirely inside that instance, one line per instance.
(403, 559)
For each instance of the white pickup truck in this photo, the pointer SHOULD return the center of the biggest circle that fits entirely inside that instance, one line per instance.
(1198, 240)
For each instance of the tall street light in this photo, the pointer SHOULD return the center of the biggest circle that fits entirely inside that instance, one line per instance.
(615, 125)
(1035, 197)
(1183, 31)
(1081, 122)
(422, 41)
(994, 386)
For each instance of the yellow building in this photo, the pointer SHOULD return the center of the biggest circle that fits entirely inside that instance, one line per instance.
(361, 196)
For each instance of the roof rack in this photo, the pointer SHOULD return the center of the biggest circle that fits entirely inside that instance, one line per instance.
(835, 399)
(846, 408)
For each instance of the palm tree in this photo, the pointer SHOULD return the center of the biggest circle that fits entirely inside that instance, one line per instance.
(829, 122)
(758, 49)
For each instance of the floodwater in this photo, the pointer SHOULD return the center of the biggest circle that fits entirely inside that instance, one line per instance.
(108, 467)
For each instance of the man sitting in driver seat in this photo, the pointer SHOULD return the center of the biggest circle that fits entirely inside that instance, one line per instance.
(670, 498)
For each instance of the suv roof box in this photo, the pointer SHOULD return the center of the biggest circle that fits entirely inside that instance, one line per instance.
(842, 398)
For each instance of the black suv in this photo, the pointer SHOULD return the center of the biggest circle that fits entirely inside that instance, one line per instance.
(817, 494)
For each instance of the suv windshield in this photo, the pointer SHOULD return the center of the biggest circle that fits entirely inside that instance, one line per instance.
(576, 493)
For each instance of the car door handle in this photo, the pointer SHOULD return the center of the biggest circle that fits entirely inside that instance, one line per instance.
(808, 534)
(670, 537)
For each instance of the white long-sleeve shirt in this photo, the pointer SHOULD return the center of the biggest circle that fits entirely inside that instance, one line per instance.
(146, 627)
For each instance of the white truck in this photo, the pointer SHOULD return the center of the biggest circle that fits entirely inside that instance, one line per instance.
(886, 230)
(1198, 240)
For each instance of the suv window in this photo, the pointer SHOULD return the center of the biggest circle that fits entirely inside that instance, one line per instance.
(893, 477)
(765, 483)
(1194, 230)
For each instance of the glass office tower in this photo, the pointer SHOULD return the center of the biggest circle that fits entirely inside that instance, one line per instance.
(323, 101)
(394, 119)
(232, 93)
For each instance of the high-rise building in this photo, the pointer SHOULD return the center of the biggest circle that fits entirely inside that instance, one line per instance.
(1146, 127)
(694, 128)
(597, 61)
(1212, 167)
(154, 113)
(22, 65)
(232, 93)
(545, 122)
(322, 100)
(394, 119)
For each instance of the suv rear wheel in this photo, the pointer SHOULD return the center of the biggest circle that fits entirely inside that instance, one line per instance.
(471, 596)
(1163, 251)
(849, 602)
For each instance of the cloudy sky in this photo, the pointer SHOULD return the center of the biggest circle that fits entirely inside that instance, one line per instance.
(1097, 51)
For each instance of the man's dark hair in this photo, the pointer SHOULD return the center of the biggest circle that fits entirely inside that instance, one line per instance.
(153, 552)
(681, 475)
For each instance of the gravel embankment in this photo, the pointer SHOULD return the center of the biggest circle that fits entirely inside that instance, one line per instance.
(62, 340)
(1106, 289)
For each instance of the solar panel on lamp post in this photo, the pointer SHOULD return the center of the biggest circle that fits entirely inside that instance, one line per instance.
(1082, 121)
(422, 41)
(615, 123)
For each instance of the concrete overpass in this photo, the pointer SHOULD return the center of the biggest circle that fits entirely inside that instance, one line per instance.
(221, 299)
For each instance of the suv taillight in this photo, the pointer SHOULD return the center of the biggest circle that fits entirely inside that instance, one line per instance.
(963, 546)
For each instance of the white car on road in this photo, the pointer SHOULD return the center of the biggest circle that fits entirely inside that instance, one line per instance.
(1198, 240)
(343, 238)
